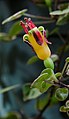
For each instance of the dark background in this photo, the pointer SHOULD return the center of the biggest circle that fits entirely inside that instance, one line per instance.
(14, 56)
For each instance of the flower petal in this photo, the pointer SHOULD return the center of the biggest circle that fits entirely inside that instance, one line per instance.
(44, 34)
(26, 40)
(38, 36)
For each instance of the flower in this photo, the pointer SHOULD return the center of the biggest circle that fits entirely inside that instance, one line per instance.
(36, 38)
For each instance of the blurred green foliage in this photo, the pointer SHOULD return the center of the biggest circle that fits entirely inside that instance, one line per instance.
(51, 76)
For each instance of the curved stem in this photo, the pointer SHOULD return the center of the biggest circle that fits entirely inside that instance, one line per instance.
(63, 85)
(46, 106)
(38, 17)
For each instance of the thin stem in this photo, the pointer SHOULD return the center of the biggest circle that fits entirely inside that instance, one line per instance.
(63, 85)
(63, 69)
(61, 55)
(62, 2)
(53, 83)
(39, 17)
(55, 4)
(53, 1)
(46, 106)
(60, 36)
(58, 84)
(45, 22)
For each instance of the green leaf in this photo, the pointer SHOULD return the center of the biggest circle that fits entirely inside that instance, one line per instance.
(67, 103)
(30, 93)
(63, 19)
(34, 93)
(9, 88)
(13, 115)
(63, 6)
(50, 74)
(42, 101)
(49, 4)
(61, 94)
(26, 89)
(15, 29)
(54, 57)
(62, 109)
(67, 59)
(40, 83)
(60, 12)
(48, 63)
(67, 48)
(15, 16)
(58, 74)
(43, 82)
(32, 60)
(65, 108)
(67, 70)
(4, 37)
(53, 100)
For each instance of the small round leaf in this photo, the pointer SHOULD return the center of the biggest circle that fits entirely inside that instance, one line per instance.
(62, 109)
(58, 74)
(67, 103)
(61, 94)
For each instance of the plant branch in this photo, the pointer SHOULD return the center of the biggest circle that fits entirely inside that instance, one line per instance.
(38, 17)
(55, 4)
(61, 55)
(46, 106)
(44, 22)
(63, 70)
(63, 1)
(61, 37)
(53, 1)
(61, 84)
(58, 84)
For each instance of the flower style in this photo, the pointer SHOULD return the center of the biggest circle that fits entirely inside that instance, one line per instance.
(36, 38)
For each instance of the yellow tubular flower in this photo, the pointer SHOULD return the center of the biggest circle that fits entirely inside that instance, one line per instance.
(36, 38)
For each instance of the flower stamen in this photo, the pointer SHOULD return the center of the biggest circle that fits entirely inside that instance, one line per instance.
(44, 34)
(24, 26)
(29, 23)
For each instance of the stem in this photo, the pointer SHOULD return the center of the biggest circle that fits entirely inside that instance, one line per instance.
(46, 106)
(62, 2)
(61, 56)
(45, 22)
(63, 85)
(55, 4)
(53, 1)
(63, 69)
(60, 36)
(58, 84)
(39, 17)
